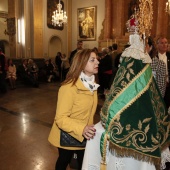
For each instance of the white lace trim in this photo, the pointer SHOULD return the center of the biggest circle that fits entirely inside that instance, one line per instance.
(136, 49)
(93, 167)
(165, 157)
(119, 165)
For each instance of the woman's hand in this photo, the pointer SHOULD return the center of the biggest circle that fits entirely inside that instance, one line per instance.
(89, 132)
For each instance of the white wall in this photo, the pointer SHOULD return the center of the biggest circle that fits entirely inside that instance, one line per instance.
(49, 33)
(63, 35)
(100, 17)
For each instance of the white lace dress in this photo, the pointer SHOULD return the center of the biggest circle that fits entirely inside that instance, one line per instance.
(92, 157)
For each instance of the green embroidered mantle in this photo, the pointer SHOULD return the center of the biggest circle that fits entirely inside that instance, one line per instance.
(134, 115)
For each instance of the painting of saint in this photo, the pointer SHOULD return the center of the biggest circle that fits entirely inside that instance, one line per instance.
(87, 23)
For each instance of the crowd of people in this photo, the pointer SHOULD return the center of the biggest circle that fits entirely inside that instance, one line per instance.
(109, 60)
(28, 73)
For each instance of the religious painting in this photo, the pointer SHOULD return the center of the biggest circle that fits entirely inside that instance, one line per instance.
(87, 23)
(11, 29)
(51, 7)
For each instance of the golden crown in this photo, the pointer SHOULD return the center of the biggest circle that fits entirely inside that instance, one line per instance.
(141, 21)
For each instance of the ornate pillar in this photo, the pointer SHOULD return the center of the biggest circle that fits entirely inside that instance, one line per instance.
(120, 17)
(108, 20)
(38, 28)
(11, 26)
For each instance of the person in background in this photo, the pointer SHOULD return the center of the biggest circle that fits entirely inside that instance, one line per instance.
(164, 55)
(26, 75)
(58, 63)
(117, 58)
(48, 68)
(97, 53)
(110, 50)
(158, 66)
(79, 47)
(113, 54)
(3, 86)
(76, 106)
(168, 48)
(33, 68)
(105, 72)
(11, 74)
(54, 69)
(65, 65)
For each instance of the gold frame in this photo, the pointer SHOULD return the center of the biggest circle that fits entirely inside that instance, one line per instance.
(86, 22)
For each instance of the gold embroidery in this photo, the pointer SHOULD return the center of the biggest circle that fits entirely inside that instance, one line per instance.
(115, 89)
(134, 99)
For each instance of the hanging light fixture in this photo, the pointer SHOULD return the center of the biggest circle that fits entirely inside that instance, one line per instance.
(59, 17)
(167, 9)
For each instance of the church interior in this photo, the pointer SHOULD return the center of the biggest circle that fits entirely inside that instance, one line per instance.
(27, 31)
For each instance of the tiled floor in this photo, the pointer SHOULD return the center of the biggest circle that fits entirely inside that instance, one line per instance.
(26, 116)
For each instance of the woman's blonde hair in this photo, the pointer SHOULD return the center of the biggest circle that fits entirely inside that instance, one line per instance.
(79, 63)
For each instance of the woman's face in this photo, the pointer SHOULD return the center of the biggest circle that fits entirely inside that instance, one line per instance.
(92, 65)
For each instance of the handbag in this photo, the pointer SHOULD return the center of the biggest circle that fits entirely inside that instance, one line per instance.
(69, 141)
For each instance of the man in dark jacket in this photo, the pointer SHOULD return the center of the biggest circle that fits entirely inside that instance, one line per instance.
(105, 71)
(79, 47)
(164, 55)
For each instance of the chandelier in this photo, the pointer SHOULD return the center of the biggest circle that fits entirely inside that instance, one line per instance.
(59, 17)
(167, 9)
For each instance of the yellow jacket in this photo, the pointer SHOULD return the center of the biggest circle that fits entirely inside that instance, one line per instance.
(76, 107)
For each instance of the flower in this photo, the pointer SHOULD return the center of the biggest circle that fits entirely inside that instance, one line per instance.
(128, 127)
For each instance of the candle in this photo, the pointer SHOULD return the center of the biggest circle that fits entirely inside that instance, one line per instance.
(115, 40)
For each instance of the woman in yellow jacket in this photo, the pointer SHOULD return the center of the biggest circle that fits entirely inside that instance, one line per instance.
(76, 106)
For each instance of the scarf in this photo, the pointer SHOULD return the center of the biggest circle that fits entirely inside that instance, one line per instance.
(89, 82)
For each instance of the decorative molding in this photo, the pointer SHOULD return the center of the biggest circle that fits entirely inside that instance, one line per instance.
(3, 14)
(11, 28)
